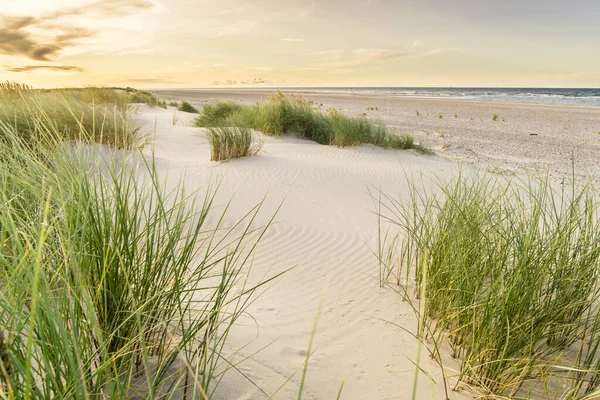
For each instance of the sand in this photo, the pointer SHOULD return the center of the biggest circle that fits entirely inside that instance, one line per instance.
(327, 230)
(532, 138)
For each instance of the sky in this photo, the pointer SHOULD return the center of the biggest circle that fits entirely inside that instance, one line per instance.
(287, 43)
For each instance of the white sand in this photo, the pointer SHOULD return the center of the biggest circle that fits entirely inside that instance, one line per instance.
(326, 227)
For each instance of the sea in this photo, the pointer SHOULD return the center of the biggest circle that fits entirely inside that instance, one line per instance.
(520, 95)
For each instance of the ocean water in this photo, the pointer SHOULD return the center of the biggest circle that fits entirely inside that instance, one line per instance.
(520, 95)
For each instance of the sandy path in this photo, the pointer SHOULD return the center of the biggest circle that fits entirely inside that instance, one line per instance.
(525, 137)
(326, 228)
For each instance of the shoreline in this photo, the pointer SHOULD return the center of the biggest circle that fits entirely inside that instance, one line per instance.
(325, 92)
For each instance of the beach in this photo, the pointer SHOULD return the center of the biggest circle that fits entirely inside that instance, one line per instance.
(327, 229)
(367, 267)
(310, 200)
(523, 137)
(326, 232)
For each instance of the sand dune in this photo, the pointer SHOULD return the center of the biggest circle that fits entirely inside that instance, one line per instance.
(536, 138)
(326, 228)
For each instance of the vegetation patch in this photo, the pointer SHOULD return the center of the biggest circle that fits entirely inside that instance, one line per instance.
(89, 115)
(232, 142)
(187, 107)
(291, 113)
(506, 275)
(218, 114)
(112, 285)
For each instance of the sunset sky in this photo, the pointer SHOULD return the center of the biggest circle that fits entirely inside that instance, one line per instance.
(253, 43)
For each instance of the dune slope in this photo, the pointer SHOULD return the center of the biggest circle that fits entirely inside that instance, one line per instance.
(327, 229)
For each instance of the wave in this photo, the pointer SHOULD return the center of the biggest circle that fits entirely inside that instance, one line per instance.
(581, 96)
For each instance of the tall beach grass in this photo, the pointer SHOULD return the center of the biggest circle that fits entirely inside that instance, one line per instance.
(507, 279)
(92, 115)
(111, 286)
(187, 107)
(229, 142)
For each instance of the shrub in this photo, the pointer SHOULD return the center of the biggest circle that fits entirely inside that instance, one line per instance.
(187, 107)
(231, 142)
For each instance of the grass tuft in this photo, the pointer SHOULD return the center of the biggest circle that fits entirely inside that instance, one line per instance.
(217, 114)
(507, 277)
(227, 143)
(9, 86)
(187, 107)
(495, 117)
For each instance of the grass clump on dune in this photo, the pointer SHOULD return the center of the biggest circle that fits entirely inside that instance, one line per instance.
(217, 114)
(291, 113)
(90, 115)
(227, 143)
(187, 107)
(112, 286)
(507, 276)
(114, 96)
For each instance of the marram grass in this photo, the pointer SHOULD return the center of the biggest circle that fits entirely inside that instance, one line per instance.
(112, 286)
(187, 107)
(91, 115)
(511, 284)
(292, 113)
(228, 142)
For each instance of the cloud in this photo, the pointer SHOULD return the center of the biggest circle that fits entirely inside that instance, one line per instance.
(253, 81)
(54, 68)
(15, 40)
(227, 82)
(416, 44)
(104, 8)
(329, 53)
(360, 57)
(44, 38)
(152, 79)
(226, 29)
(262, 69)
(237, 10)
(292, 40)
